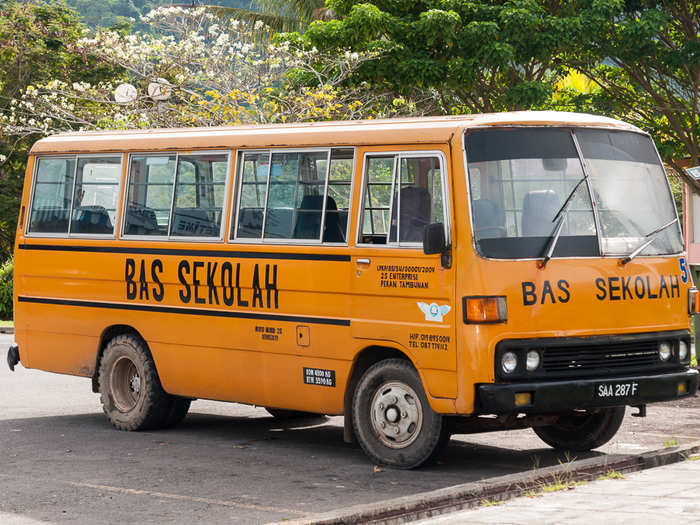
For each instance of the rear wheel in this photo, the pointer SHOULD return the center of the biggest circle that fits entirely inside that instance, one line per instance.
(392, 418)
(131, 394)
(582, 431)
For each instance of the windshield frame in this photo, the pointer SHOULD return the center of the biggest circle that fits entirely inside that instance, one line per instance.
(587, 172)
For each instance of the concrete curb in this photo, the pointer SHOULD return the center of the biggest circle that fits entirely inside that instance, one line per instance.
(7, 330)
(467, 495)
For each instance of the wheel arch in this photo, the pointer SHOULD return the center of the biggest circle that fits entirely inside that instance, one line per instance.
(364, 359)
(107, 335)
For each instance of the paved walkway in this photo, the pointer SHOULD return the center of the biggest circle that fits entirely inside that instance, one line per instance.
(667, 495)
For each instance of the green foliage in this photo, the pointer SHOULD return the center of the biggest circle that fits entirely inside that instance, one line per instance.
(6, 297)
(476, 56)
(36, 41)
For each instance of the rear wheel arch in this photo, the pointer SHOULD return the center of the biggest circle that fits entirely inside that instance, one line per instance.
(107, 335)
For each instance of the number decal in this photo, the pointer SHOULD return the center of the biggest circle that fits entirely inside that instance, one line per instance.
(684, 269)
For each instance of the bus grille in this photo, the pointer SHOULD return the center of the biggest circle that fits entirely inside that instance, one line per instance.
(616, 356)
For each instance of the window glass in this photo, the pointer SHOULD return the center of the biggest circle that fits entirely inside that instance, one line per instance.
(53, 190)
(96, 196)
(295, 195)
(420, 201)
(519, 180)
(251, 207)
(377, 199)
(338, 199)
(149, 199)
(199, 195)
(630, 188)
(402, 196)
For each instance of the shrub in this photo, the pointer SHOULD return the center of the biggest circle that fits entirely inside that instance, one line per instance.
(6, 272)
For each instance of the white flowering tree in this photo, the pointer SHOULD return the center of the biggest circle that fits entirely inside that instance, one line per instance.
(202, 70)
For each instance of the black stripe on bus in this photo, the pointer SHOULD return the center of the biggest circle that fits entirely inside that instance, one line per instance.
(179, 251)
(186, 311)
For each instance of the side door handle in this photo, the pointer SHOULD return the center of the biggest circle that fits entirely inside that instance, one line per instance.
(364, 261)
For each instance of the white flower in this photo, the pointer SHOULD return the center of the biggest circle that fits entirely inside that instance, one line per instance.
(3, 158)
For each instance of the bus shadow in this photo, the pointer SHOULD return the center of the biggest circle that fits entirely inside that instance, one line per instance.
(308, 438)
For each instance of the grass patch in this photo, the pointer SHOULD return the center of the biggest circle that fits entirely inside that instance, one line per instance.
(491, 503)
(5, 324)
(612, 474)
(670, 443)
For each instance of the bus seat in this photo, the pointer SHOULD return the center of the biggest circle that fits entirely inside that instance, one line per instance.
(91, 219)
(250, 222)
(336, 222)
(141, 221)
(489, 219)
(279, 223)
(539, 208)
(308, 223)
(189, 222)
(415, 213)
(49, 219)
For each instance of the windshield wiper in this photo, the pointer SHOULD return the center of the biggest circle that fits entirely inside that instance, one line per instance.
(561, 215)
(652, 237)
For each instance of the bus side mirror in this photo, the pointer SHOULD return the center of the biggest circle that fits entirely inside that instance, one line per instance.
(434, 238)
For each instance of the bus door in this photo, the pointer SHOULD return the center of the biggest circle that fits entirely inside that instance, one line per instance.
(401, 297)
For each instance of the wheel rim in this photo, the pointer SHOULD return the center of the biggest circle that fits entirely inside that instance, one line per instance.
(397, 414)
(125, 384)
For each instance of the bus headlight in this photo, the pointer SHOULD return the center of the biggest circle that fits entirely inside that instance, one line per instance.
(683, 350)
(509, 362)
(532, 361)
(665, 351)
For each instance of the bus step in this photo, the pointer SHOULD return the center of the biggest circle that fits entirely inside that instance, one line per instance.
(13, 356)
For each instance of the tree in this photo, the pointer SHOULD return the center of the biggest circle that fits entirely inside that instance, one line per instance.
(453, 56)
(35, 46)
(645, 55)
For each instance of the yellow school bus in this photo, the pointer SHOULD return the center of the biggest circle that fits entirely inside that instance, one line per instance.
(423, 277)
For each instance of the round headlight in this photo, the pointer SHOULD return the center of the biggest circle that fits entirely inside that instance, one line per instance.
(509, 362)
(683, 350)
(533, 360)
(665, 351)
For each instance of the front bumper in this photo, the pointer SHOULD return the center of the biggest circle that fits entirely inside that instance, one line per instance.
(560, 396)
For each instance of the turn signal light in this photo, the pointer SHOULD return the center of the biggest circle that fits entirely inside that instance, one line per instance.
(682, 388)
(693, 301)
(485, 309)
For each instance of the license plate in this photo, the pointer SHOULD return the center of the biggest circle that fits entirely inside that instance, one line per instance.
(621, 389)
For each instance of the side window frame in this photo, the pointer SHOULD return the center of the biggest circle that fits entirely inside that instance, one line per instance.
(76, 158)
(396, 178)
(169, 237)
(233, 237)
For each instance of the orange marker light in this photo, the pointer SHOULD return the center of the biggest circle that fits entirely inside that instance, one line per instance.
(488, 309)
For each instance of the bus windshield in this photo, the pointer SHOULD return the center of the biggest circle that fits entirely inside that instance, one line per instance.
(528, 186)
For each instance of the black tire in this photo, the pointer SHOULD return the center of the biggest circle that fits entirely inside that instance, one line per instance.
(391, 393)
(283, 413)
(582, 431)
(179, 406)
(131, 394)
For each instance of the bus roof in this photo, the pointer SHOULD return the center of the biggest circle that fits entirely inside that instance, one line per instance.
(336, 133)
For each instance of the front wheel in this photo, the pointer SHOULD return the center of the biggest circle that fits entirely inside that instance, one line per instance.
(392, 418)
(582, 431)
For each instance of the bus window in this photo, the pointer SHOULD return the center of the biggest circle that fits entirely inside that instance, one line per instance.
(199, 195)
(96, 195)
(53, 189)
(399, 210)
(149, 200)
(295, 195)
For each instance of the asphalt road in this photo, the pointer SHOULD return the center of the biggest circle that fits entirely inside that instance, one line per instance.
(61, 461)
